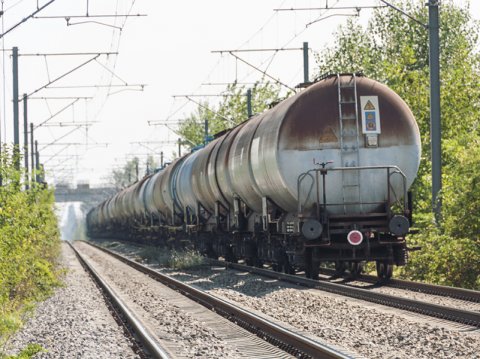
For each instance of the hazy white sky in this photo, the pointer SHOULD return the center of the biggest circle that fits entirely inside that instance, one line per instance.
(169, 51)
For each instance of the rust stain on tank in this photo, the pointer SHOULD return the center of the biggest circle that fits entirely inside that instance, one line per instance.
(328, 135)
(312, 121)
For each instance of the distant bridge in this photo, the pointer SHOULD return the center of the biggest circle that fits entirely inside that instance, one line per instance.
(89, 196)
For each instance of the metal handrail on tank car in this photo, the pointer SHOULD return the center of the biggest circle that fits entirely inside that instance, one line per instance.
(324, 171)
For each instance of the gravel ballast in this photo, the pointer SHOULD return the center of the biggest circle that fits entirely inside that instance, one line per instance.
(371, 330)
(356, 325)
(75, 322)
(185, 328)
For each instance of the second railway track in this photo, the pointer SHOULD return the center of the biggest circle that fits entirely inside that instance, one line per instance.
(466, 317)
(440, 290)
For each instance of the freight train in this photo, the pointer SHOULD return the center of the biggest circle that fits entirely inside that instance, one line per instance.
(323, 176)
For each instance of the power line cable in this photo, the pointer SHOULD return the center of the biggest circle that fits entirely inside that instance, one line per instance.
(186, 102)
(12, 6)
(26, 18)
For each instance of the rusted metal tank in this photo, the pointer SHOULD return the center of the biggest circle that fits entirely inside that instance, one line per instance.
(305, 129)
(184, 189)
(128, 202)
(139, 208)
(206, 191)
(342, 122)
(120, 212)
(111, 209)
(150, 193)
(242, 178)
(265, 157)
(219, 174)
(160, 193)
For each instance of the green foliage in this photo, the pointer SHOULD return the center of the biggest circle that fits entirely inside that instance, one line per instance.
(445, 260)
(28, 352)
(127, 175)
(231, 111)
(29, 246)
(461, 198)
(185, 259)
(131, 171)
(394, 50)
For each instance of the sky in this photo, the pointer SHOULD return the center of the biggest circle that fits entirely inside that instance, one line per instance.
(90, 121)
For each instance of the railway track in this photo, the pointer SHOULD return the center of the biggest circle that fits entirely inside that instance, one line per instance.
(140, 331)
(465, 317)
(297, 345)
(444, 291)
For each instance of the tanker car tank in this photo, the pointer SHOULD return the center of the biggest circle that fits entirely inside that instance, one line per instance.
(321, 177)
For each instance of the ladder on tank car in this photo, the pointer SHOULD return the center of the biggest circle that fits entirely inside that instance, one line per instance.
(349, 141)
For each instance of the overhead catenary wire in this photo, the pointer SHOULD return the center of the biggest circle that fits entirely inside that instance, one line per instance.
(12, 6)
(330, 16)
(87, 16)
(50, 81)
(237, 58)
(294, 37)
(329, 8)
(263, 72)
(270, 18)
(60, 138)
(65, 74)
(210, 110)
(57, 113)
(25, 19)
(270, 58)
(116, 46)
(48, 65)
(94, 106)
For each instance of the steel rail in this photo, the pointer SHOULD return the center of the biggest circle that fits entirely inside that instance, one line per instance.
(452, 314)
(287, 340)
(441, 290)
(146, 337)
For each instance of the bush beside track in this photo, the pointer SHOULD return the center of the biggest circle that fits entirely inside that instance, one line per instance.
(29, 248)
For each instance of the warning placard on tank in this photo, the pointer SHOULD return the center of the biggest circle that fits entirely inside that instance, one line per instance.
(370, 114)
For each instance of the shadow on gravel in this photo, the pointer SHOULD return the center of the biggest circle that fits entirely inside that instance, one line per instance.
(202, 276)
(212, 278)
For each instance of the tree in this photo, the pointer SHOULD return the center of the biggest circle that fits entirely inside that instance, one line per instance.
(231, 111)
(127, 175)
(393, 49)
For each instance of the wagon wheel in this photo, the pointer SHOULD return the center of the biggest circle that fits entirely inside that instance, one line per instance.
(258, 263)
(289, 268)
(230, 255)
(311, 265)
(384, 270)
(355, 269)
(340, 267)
(251, 255)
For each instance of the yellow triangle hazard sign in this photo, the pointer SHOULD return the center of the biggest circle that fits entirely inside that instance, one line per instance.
(369, 106)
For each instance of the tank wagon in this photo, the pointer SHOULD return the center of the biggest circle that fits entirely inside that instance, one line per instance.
(321, 177)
